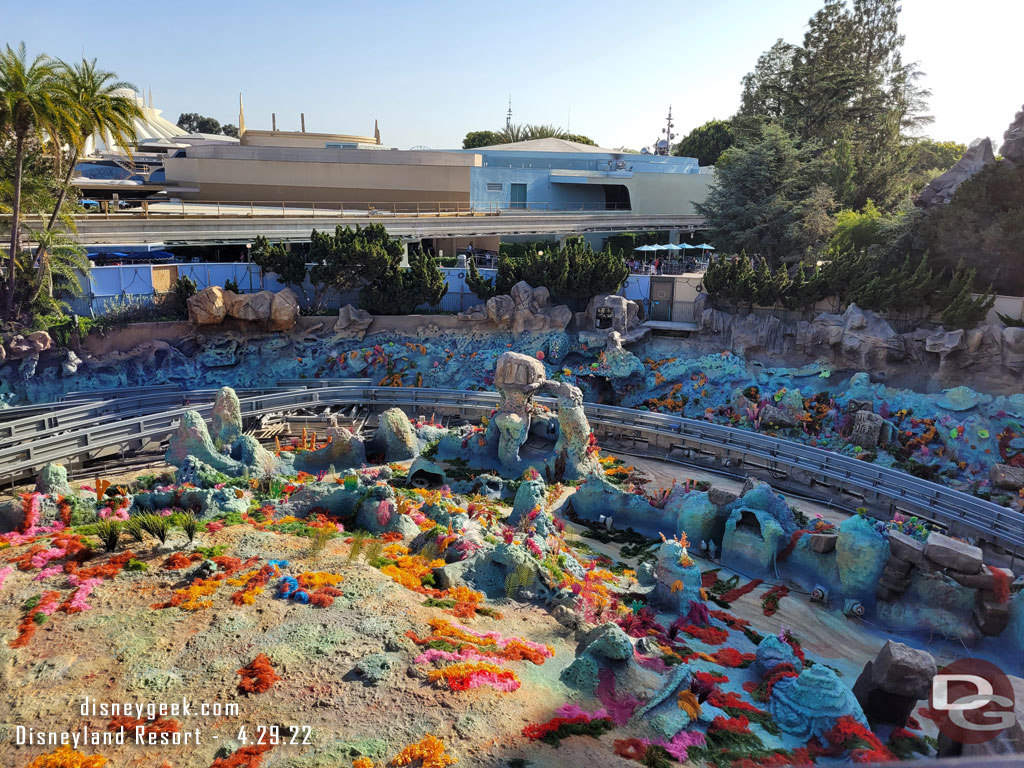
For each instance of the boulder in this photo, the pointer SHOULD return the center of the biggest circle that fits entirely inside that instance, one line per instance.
(870, 430)
(40, 341)
(902, 670)
(352, 321)
(945, 343)
(950, 553)
(773, 417)
(500, 309)
(208, 306)
(1013, 348)
(1013, 140)
(1007, 476)
(284, 309)
(519, 372)
(253, 307)
(822, 543)
(942, 188)
(906, 548)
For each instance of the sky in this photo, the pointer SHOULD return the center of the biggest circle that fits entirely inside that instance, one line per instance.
(430, 71)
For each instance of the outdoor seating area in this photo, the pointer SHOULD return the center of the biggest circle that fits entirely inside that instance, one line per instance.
(670, 259)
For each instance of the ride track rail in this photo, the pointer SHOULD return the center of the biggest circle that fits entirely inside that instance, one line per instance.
(76, 432)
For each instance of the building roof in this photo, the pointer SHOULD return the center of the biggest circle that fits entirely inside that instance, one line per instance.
(544, 145)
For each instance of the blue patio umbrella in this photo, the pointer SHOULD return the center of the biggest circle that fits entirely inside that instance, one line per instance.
(705, 246)
(646, 248)
(670, 247)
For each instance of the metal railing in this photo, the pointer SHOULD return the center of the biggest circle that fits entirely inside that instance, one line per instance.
(182, 208)
(896, 490)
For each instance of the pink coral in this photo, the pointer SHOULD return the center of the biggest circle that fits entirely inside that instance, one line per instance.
(76, 603)
(384, 512)
(6, 571)
(53, 570)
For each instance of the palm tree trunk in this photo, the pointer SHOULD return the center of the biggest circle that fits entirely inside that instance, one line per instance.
(19, 159)
(61, 196)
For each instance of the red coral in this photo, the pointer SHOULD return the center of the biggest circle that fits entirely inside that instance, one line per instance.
(770, 599)
(735, 594)
(324, 597)
(631, 749)
(258, 676)
(793, 540)
(848, 735)
(708, 635)
(730, 657)
(178, 560)
(1002, 584)
(246, 757)
(730, 725)
(108, 570)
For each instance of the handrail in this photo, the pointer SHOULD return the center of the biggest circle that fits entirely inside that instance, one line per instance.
(946, 506)
(182, 208)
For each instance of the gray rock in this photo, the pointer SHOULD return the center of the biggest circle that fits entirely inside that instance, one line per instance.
(226, 421)
(1013, 143)
(822, 543)
(1013, 348)
(950, 553)
(567, 617)
(983, 580)
(375, 668)
(352, 321)
(1006, 476)
(902, 670)
(897, 568)
(772, 417)
(942, 188)
(721, 497)
(1009, 741)
(906, 548)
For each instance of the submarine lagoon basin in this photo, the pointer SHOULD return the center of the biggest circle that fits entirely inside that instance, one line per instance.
(349, 565)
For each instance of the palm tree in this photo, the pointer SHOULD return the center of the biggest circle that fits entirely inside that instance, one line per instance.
(91, 107)
(60, 265)
(27, 107)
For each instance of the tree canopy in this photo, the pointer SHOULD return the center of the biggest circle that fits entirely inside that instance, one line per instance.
(193, 122)
(514, 133)
(706, 142)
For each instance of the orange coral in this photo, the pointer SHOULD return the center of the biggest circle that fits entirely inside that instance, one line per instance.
(689, 704)
(258, 675)
(430, 750)
(66, 757)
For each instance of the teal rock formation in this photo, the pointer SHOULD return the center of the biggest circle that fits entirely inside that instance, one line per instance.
(753, 538)
(809, 704)
(192, 439)
(771, 653)
(531, 496)
(674, 565)
(397, 434)
(53, 480)
(695, 516)
(226, 422)
(344, 450)
(861, 554)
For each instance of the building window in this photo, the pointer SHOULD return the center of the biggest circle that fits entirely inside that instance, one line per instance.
(494, 186)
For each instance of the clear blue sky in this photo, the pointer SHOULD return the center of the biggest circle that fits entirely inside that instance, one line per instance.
(430, 71)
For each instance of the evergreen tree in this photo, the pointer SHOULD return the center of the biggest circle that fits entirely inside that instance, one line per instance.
(481, 286)
(764, 192)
